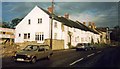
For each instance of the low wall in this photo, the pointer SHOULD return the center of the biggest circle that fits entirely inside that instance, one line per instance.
(22, 45)
(56, 44)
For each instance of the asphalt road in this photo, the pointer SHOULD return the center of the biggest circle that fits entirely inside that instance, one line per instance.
(103, 57)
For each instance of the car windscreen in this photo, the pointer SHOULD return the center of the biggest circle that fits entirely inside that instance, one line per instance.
(31, 48)
(79, 44)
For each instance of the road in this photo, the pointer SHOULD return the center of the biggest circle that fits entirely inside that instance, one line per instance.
(103, 57)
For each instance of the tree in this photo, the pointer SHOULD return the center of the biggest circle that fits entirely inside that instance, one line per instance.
(15, 21)
(5, 25)
(115, 34)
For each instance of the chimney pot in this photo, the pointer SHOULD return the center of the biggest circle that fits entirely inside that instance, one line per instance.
(84, 23)
(93, 25)
(66, 15)
(50, 9)
(90, 25)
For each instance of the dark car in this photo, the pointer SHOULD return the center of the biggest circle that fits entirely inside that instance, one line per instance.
(92, 47)
(31, 53)
(82, 46)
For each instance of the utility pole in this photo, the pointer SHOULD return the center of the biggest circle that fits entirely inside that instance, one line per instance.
(51, 24)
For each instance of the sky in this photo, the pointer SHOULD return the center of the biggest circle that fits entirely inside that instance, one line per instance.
(103, 14)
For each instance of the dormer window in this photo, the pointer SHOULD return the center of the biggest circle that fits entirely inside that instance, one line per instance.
(39, 20)
(29, 21)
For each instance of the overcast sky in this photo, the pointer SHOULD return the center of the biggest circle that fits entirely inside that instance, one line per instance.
(103, 14)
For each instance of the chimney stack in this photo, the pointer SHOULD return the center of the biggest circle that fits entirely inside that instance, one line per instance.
(50, 9)
(66, 15)
(93, 25)
(90, 25)
(84, 23)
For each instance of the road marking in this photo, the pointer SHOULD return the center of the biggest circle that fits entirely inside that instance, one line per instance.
(99, 51)
(76, 61)
(90, 55)
(68, 49)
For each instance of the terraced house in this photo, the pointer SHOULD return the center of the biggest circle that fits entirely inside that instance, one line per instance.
(36, 25)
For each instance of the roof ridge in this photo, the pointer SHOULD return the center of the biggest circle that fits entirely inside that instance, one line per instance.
(71, 22)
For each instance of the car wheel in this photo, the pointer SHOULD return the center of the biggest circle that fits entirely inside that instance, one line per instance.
(33, 60)
(48, 57)
(15, 60)
(86, 49)
(51, 54)
(76, 49)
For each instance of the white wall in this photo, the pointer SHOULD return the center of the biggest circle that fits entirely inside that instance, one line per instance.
(34, 27)
(57, 30)
(24, 27)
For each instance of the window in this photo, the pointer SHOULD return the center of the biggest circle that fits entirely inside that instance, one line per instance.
(55, 24)
(82, 40)
(77, 39)
(42, 37)
(19, 35)
(74, 30)
(39, 36)
(27, 36)
(3, 32)
(46, 47)
(39, 20)
(55, 36)
(62, 27)
(29, 21)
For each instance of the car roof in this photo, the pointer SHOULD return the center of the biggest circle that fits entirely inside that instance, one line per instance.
(39, 44)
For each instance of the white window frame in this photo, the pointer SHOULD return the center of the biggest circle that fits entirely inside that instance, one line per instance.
(29, 21)
(39, 20)
(39, 36)
(27, 35)
(55, 24)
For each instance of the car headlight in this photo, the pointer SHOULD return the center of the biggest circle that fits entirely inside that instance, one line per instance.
(82, 47)
(28, 56)
(15, 55)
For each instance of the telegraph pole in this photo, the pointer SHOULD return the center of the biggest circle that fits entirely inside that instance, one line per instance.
(51, 24)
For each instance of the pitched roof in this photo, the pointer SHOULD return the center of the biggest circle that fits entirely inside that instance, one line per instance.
(103, 29)
(89, 29)
(69, 22)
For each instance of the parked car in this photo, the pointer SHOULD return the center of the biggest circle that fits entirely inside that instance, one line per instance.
(85, 46)
(31, 53)
(82, 46)
(92, 47)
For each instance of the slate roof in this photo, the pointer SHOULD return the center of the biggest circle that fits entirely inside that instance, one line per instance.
(103, 29)
(69, 22)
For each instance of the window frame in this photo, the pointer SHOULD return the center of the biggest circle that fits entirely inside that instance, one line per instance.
(39, 36)
(19, 35)
(39, 20)
(28, 35)
(55, 35)
(29, 21)
(25, 35)
(55, 24)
